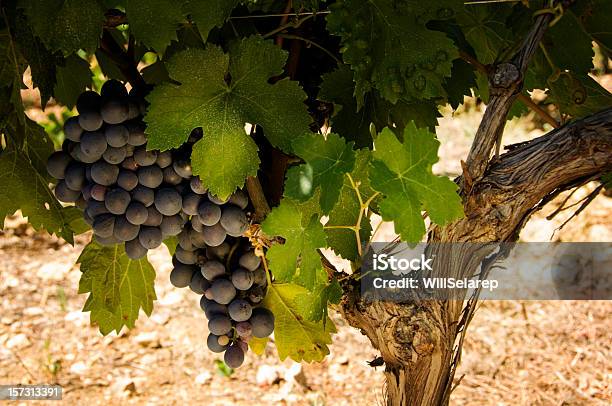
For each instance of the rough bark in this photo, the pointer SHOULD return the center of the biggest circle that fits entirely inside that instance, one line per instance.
(420, 341)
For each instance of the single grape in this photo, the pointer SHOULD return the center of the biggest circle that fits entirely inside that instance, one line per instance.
(116, 135)
(150, 237)
(133, 109)
(212, 308)
(95, 208)
(234, 356)
(90, 121)
(197, 225)
(222, 291)
(171, 177)
(219, 325)
(182, 168)
(129, 164)
(259, 276)
(88, 101)
(136, 213)
(98, 192)
(212, 269)
(137, 136)
(215, 199)
(113, 89)
(72, 129)
(117, 201)
(144, 157)
(256, 294)
(75, 176)
(240, 199)
(124, 230)
(181, 275)
(209, 213)
(57, 164)
(196, 283)
(186, 257)
(184, 240)
(104, 173)
(262, 322)
(114, 111)
(154, 218)
(168, 201)
(86, 192)
(172, 225)
(223, 340)
(214, 236)
(242, 279)
(212, 342)
(201, 258)
(234, 220)
(190, 204)
(143, 195)
(134, 249)
(114, 155)
(127, 180)
(93, 143)
(240, 310)
(65, 194)
(243, 345)
(220, 251)
(87, 217)
(150, 176)
(249, 260)
(196, 185)
(129, 151)
(164, 159)
(244, 329)
(197, 239)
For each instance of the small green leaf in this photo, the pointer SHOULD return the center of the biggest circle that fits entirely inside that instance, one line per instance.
(227, 92)
(402, 173)
(294, 335)
(258, 345)
(118, 287)
(154, 22)
(569, 46)
(297, 259)
(208, 14)
(71, 80)
(327, 160)
(66, 25)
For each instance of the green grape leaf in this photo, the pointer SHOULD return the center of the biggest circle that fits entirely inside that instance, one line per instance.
(118, 287)
(327, 160)
(228, 91)
(402, 173)
(347, 211)
(314, 304)
(459, 85)
(353, 123)
(154, 22)
(294, 335)
(595, 18)
(578, 95)
(297, 259)
(71, 80)
(569, 46)
(383, 41)
(23, 187)
(66, 25)
(258, 345)
(209, 14)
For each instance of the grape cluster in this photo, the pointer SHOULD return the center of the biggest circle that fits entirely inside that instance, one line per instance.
(229, 276)
(138, 197)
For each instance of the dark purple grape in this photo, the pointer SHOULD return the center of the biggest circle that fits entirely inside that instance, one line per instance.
(242, 279)
(129, 164)
(113, 89)
(72, 129)
(143, 195)
(171, 177)
(257, 294)
(134, 249)
(137, 136)
(184, 241)
(212, 308)
(240, 199)
(209, 213)
(57, 164)
(104, 173)
(186, 257)
(220, 251)
(88, 101)
(150, 176)
(164, 159)
(65, 194)
(172, 225)
(196, 224)
(144, 157)
(262, 322)
(259, 276)
(212, 269)
(212, 342)
(124, 230)
(114, 155)
(182, 168)
(150, 237)
(222, 291)
(98, 192)
(215, 199)
(104, 225)
(90, 121)
(233, 220)
(244, 329)
(234, 356)
(93, 144)
(196, 284)
(127, 180)
(86, 192)
(136, 213)
(117, 201)
(249, 260)
(191, 201)
(154, 218)
(95, 208)
(114, 111)
(116, 135)
(168, 201)
(181, 275)
(214, 235)
(240, 310)
(196, 185)
(220, 325)
(197, 239)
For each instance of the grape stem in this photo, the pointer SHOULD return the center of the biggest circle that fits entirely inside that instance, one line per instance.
(122, 59)
(258, 198)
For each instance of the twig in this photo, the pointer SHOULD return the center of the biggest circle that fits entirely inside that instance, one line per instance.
(121, 58)
(583, 206)
(310, 42)
(298, 14)
(256, 194)
(283, 27)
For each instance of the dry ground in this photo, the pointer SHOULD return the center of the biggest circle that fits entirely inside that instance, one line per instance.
(516, 353)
